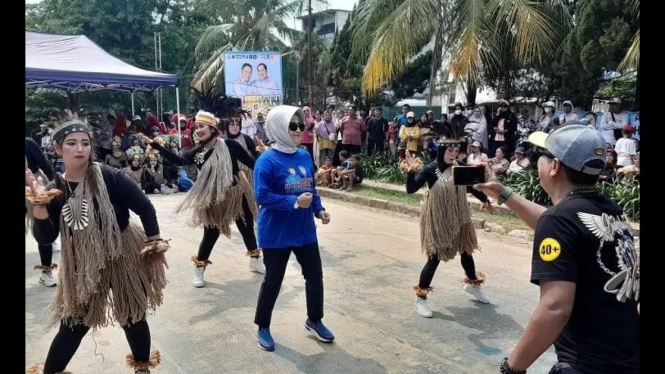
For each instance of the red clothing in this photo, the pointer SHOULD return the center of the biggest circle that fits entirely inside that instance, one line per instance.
(352, 130)
(120, 128)
(186, 138)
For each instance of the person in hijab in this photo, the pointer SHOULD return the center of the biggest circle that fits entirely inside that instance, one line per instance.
(446, 229)
(477, 126)
(285, 190)
(221, 195)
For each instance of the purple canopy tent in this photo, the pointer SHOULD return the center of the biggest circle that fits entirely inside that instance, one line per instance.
(76, 64)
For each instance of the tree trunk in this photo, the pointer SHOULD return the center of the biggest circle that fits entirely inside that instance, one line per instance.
(436, 64)
(636, 103)
(471, 91)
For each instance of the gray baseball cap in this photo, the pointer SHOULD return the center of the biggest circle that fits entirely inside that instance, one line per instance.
(574, 145)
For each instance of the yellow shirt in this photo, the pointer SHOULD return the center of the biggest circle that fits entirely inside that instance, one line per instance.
(414, 132)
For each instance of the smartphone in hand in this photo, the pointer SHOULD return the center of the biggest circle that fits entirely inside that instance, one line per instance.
(468, 175)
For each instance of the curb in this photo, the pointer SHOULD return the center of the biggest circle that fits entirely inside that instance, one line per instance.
(415, 211)
(387, 205)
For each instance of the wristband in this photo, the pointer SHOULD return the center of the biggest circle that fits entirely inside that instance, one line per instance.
(505, 195)
(506, 369)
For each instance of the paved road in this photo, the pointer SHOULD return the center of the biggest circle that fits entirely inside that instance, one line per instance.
(371, 260)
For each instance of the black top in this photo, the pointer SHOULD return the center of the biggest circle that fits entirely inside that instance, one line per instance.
(189, 156)
(427, 174)
(585, 239)
(251, 147)
(36, 159)
(377, 128)
(125, 195)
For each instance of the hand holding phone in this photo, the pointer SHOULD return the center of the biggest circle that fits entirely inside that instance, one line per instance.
(468, 175)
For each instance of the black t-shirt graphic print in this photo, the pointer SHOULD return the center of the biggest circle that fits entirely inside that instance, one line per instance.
(586, 239)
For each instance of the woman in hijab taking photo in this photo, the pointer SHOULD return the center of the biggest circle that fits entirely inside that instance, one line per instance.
(285, 189)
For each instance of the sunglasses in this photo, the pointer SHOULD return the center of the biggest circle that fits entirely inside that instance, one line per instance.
(293, 126)
(544, 152)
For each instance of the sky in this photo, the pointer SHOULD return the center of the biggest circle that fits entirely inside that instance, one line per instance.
(336, 4)
(332, 4)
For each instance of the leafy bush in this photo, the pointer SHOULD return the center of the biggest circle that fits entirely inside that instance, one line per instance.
(382, 167)
(626, 193)
(527, 185)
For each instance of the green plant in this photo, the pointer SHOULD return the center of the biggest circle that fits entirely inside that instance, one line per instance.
(626, 193)
(382, 167)
(527, 185)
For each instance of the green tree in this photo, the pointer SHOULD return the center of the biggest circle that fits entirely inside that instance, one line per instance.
(126, 31)
(389, 32)
(596, 45)
(255, 25)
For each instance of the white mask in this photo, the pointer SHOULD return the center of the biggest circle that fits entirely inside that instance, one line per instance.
(548, 110)
(458, 112)
(469, 112)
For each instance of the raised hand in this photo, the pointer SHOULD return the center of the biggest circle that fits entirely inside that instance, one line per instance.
(35, 191)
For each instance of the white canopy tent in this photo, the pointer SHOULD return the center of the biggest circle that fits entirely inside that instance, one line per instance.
(76, 64)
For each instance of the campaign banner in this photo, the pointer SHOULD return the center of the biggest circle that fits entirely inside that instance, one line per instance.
(256, 78)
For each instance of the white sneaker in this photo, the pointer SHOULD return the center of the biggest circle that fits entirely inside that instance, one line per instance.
(48, 279)
(256, 264)
(56, 245)
(477, 292)
(422, 307)
(198, 277)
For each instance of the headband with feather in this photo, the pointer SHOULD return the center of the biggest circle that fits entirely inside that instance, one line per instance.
(67, 122)
(208, 99)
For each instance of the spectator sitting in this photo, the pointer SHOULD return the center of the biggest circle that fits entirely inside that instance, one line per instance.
(324, 172)
(499, 163)
(520, 163)
(609, 172)
(352, 175)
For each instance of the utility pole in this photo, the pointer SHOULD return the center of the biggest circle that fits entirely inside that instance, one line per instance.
(158, 67)
(309, 56)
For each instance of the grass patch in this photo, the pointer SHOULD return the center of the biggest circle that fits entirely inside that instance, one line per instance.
(384, 194)
(508, 220)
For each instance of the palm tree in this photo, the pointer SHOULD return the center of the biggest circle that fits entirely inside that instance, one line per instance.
(632, 59)
(472, 32)
(245, 25)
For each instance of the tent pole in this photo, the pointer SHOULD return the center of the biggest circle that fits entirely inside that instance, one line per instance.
(177, 105)
(132, 92)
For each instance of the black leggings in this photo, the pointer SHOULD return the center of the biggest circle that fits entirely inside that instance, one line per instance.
(67, 341)
(45, 254)
(428, 271)
(246, 228)
(150, 187)
(276, 260)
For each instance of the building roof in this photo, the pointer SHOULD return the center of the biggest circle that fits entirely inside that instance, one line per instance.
(327, 11)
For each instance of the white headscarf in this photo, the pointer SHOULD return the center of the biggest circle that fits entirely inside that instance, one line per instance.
(277, 127)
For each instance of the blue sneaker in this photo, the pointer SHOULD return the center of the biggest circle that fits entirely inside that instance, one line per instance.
(319, 330)
(266, 341)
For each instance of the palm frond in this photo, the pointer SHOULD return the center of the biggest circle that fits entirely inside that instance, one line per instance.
(369, 15)
(632, 59)
(293, 8)
(537, 27)
(213, 38)
(402, 35)
(635, 7)
(211, 69)
(472, 40)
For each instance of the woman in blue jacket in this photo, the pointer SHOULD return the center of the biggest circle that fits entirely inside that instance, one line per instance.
(285, 189)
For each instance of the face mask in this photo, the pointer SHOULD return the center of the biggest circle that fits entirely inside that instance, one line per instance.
(469, 112)
(548, 110)
(458, 112)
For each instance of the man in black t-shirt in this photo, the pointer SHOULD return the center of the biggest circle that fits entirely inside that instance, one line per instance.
(377, 128)
(584, 261)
